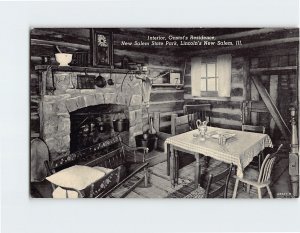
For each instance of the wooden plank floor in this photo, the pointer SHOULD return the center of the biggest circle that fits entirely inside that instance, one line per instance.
(160, 185)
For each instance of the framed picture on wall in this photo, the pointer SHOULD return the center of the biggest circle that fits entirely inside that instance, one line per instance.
(101, 48)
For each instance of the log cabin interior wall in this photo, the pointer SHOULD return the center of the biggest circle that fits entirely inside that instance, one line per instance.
(269, 53)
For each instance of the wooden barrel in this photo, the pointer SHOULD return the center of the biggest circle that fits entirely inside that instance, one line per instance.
(39, 154)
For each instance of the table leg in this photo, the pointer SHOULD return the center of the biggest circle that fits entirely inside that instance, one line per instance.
(197, 170)
(172, 167)
(176, 166)
(168, 159)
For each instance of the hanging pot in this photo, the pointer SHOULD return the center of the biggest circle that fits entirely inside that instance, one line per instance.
(100, 81)
(121, 125)
(110, 81)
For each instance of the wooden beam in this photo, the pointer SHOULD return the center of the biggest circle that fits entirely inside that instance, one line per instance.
(248, 33)
(274, 96)
(271, 107)
(274, 70)
(59, 43)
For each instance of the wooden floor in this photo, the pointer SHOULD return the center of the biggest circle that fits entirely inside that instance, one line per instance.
(160, 185)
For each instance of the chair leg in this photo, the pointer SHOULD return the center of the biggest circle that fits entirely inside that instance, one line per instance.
(206, 159)
(168, 160)
(269, 191)
(248, 188)
(146, 177)
(235, 188)
(259, 193)
(259, 161)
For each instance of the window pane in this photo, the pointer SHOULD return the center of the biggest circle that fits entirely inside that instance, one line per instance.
(211, 84)
(203, 84)
(203, 70)
(211, 70)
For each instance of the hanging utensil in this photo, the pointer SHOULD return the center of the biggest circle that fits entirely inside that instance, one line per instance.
(86, 81)
(110, 81)
(100, 81)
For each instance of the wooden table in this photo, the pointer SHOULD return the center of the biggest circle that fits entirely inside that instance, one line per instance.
(238, 150)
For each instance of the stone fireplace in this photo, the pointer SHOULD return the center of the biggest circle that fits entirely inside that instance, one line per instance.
(62, 98)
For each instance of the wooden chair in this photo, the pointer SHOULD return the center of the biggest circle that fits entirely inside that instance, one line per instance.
(162, 120)
(179, 124)
(222, 190)
(259, 179)
(199, 111)
(254, 128)
(256, 163)
(162, 125)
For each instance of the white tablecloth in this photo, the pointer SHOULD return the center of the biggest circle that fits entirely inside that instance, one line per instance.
(239, 149)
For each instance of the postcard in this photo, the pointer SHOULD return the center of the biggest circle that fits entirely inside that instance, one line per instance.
(128, 113)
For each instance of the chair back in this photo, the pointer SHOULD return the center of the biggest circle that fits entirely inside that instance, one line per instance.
(254, 128)
(267, 166)
(180, 124)
(223, 189)
(199, 111)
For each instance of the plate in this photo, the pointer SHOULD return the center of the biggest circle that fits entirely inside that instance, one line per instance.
(217, 135)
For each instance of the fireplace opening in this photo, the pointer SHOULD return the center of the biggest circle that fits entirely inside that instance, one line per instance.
(94, 124)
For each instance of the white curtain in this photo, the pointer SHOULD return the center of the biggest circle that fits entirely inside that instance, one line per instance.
(224, 74)
(196, 76)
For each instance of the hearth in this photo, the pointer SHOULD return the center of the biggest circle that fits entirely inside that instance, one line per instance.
(94, 124)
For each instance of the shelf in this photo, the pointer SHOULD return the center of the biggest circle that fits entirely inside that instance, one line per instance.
(86, 69)
(166, 85)
(166, 102)
(166, 91)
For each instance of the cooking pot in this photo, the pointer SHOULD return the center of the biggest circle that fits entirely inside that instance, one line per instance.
(110, 81)
(101, 126)
(100, 81)
(121, 125)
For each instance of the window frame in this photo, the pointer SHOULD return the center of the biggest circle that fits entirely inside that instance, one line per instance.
(206, 92)
(210, 95)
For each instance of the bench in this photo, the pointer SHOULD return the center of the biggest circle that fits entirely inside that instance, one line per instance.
(125, 162)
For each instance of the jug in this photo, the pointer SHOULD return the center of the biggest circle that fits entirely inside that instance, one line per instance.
(202, 127)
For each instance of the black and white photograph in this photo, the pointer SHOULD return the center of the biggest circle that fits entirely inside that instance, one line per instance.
(164, 112)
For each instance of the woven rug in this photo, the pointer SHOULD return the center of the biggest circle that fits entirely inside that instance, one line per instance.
(188, 191)
(183, 191)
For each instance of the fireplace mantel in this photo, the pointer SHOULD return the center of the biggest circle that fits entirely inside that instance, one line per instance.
(86, 69)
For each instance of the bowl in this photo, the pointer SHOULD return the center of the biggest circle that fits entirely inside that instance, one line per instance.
(63, 58)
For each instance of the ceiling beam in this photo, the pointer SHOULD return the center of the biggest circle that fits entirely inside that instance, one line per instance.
(59, 43)
(249, 33)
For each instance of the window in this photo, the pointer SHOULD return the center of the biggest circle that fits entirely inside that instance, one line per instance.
(211, 77)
